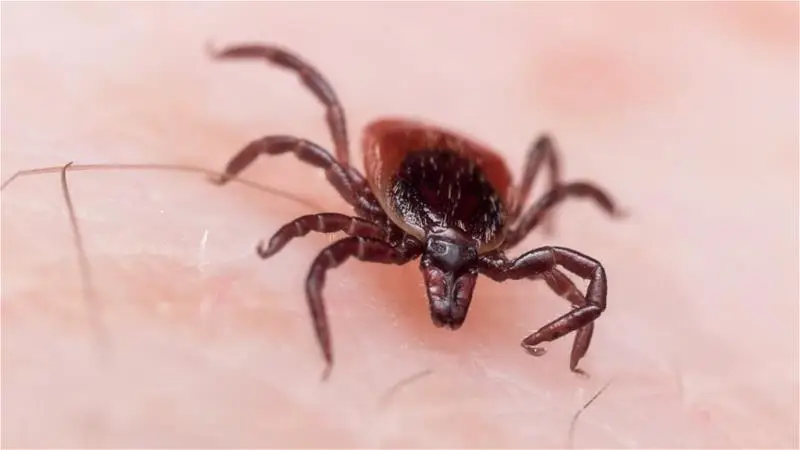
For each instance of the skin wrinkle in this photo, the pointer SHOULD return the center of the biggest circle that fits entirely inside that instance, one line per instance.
(248, 363)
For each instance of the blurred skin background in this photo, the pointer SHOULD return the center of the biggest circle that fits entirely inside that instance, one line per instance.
(686, 113)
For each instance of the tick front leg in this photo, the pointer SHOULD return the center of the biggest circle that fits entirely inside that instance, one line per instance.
(565, 288)
(541, 262)
(364, 249)
(539, 210)
(322, 223)
(310, 76)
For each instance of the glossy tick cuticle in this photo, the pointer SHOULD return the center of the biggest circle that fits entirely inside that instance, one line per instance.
(436, 195)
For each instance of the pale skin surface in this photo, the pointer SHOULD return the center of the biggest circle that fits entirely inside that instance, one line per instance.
(686, 114)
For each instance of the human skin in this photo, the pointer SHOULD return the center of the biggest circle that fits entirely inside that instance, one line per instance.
(686, 113)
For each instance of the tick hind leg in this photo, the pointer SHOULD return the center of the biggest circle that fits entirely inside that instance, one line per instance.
(310, 76)
(321, 223)
(543, 154)
(364, 249)
(534, 215)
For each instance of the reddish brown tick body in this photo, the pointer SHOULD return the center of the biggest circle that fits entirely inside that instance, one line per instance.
(434, 194)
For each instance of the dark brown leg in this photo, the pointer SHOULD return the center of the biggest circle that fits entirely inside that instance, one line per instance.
(310, 76)
(542, 152)
(309, 152)
(323, 223)
(541, 261)
(364, 249)
(539, 210)
(565, 288)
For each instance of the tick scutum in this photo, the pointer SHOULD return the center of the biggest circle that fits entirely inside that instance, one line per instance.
(439, 188)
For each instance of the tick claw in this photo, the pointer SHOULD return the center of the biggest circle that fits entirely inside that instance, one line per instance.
(621, 214)
(535, 351)
(263, 250)
(581, 372)
(326, 373)
(211, 50)
(218, 181)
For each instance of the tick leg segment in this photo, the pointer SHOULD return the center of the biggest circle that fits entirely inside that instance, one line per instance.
(364, 249)
(323, 223)
(306, 151)
(540, 262)
(539, 210)
(542, 152)
(565, 288)
(310, 76)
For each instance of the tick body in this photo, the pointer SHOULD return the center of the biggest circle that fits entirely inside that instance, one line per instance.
(438, 196)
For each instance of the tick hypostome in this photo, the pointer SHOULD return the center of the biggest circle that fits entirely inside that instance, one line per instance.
(435, 194)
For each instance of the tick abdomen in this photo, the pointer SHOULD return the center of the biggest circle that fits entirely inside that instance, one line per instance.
(440, 188)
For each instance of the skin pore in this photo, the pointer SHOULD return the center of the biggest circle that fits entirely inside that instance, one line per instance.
(687, 114)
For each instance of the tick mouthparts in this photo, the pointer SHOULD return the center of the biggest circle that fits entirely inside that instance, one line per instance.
(446, 314)
(446, 322)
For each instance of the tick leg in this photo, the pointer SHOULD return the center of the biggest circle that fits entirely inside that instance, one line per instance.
(565, 288)
(310, 76)
(539, 210)
(540, 262)
(364, 249)
(323, 223)
(542, 152)
(311, 153)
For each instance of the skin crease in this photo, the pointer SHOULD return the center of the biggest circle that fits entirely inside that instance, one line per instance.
(686, 113)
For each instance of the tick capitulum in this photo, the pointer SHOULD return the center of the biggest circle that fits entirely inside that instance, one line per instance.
(434, 194)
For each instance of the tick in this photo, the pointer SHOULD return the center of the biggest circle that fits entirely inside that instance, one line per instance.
(437, 195)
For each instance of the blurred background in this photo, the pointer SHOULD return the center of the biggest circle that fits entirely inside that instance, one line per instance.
(686, 112)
